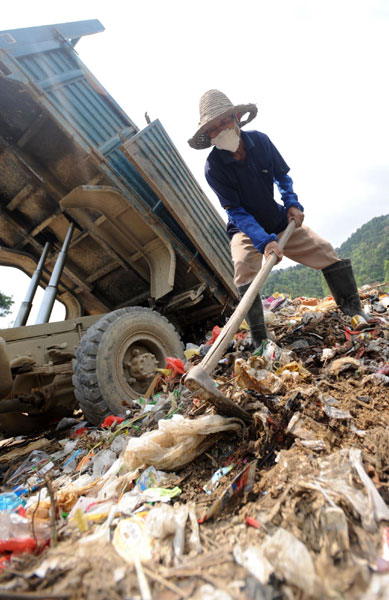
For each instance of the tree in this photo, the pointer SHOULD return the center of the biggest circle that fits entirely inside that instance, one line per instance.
(5, 304)
(368, 248)
(386, 271)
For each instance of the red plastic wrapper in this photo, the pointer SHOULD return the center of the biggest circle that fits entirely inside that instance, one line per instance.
(241, 335)
(110, 420)
(253, 522)
(79, 432)
(175, 364)
(215, 334)
(242, 483)
(19, 545)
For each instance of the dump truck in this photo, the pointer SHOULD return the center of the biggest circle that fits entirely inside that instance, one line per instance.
(111, 222)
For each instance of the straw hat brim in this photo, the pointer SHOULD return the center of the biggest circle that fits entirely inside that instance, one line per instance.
(201, 140)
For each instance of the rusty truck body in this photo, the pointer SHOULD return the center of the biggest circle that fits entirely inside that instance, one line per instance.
(145, 256)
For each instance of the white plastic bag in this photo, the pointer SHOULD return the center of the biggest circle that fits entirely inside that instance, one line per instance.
(176, 442)
(291, 560)
(160, 521)
(254, 560)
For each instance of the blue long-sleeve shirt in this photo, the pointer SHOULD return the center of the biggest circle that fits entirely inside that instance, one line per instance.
(245, 188)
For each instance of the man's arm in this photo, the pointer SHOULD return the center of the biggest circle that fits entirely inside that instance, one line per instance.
(288, 196)
(293, 207)
(250, 226)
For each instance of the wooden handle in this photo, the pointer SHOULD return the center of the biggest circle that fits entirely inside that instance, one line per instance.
(213, 356)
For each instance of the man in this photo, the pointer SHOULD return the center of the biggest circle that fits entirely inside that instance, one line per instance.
(242, 169)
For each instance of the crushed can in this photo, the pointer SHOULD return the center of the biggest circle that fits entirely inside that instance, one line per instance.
(358, 322)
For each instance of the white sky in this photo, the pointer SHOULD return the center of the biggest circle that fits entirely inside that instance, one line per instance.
(318, 71)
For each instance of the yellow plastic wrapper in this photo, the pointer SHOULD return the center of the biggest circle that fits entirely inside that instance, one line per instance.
(295, 367)
(191, 352)
(65, 499)
(166, 372)
(322, 306)
(131, 539)
(244, 325)
(80, 520)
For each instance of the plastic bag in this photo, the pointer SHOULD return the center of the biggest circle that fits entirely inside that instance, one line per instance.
(34, 462)
(383, 560)
(269, 317)
(131, 539)
(102, 461)
(213, 337)
(343, 364)
(327, 354)
(71, 463)
(376, 502)
(249, 377)
(254, 560)
(176, 442)
(158, 494)
(119, 443)
(274, 302)
(180, 518)
(333, 480)
(291, 560)
(334, 527)
(208, 592)
(194, 538)
(13, 525)
(175, 364)
(19, 545)
(312, 317)
(111, 420)
(160, 521)
(10, 501)
(273, 355)
(150, 478)
(296, 428)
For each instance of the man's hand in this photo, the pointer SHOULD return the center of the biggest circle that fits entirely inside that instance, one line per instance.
(296, 214)
(273, 247)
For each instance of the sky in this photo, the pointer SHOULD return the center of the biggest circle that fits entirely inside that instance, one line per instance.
(317, 71)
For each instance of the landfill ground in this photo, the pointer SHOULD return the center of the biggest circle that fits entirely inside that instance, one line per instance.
(295, 504)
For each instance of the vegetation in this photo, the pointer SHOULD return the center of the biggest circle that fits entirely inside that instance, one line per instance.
(5, 304)
(368, 249)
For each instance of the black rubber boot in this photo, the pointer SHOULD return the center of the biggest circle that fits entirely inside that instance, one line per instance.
(255, 318)
(340, 279)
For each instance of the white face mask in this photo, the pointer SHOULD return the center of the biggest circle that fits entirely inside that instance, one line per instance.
(227, 139)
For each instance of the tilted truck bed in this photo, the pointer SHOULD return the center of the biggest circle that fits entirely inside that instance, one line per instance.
(145, 231)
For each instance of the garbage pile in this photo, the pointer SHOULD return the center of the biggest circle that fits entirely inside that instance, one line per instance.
(173, 500)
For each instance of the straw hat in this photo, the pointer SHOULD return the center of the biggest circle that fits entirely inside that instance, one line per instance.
(214, 106)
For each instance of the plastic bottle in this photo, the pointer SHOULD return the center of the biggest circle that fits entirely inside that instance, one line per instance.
(102, 462)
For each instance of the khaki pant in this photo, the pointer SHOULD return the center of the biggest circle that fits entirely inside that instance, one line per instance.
(304, 246)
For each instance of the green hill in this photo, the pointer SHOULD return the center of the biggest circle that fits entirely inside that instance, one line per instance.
(368, 249)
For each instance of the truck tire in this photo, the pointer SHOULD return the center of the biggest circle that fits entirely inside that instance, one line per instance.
(117, 358)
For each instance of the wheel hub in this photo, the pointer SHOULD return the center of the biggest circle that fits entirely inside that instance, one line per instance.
(142, 365)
